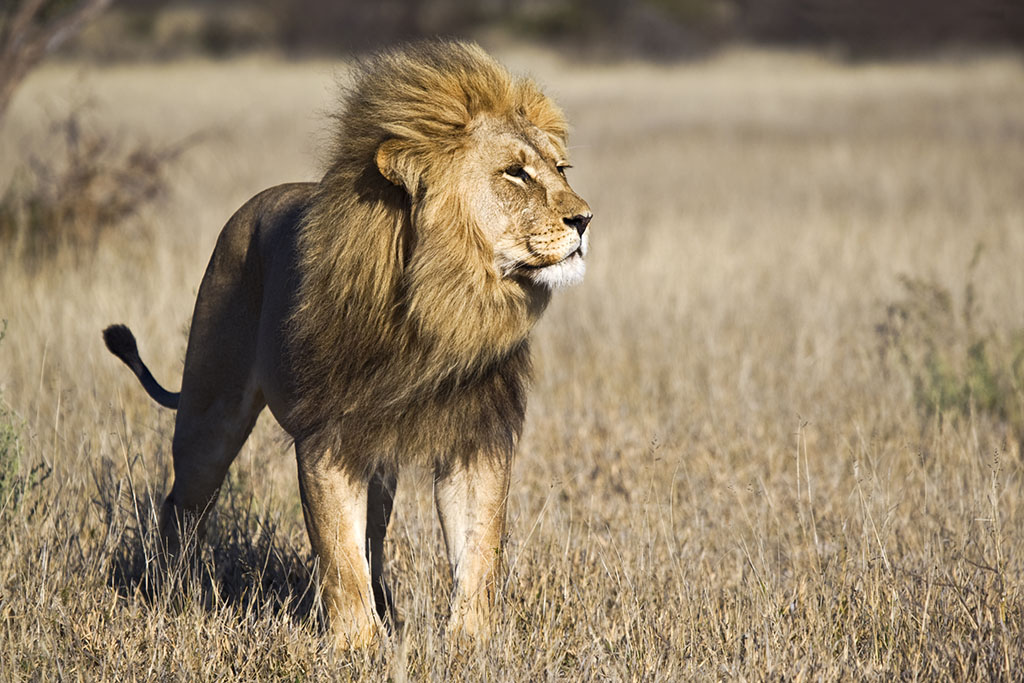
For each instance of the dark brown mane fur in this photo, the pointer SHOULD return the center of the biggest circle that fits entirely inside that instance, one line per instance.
(407, 343)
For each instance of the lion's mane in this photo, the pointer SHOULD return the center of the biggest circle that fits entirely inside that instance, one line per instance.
(407, 342)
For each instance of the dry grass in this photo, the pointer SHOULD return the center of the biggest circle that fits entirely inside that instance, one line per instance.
(722, 477)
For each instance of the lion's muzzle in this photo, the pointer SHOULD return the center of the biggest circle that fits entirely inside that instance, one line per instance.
(579, 223)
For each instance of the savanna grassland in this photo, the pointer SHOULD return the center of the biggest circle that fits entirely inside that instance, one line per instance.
(775, 434)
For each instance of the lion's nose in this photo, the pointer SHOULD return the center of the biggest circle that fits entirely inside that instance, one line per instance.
(579, 222)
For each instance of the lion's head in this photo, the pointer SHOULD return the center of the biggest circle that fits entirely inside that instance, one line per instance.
(507, 174)
(439, 230)
(475, 150)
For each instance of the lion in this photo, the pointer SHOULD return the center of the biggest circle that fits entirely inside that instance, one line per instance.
(383, 315)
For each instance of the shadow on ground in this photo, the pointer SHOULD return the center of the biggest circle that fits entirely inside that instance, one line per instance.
(245, 563)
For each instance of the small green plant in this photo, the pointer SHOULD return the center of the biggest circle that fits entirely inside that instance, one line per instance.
(10, 458)
(15, 481)
(958, 367)
(10, 446)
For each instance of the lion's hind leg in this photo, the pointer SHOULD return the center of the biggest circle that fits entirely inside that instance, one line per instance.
(207, 439)
(221, 395)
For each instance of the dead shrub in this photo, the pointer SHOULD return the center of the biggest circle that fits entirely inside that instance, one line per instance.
(92, 185)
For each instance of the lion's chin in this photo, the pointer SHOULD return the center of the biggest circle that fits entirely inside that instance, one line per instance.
(565, 273)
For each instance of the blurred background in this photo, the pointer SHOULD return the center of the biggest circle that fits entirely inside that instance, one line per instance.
(587, 34)
(658, 29)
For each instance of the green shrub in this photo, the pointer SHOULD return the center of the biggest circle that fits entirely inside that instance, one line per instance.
(10, 449)
(16, 480)
(10, 460)
(957, 367)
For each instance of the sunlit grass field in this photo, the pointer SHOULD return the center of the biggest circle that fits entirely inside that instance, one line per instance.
(775, 434)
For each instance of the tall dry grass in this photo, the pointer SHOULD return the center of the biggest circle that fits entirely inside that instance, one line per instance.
(725, 475)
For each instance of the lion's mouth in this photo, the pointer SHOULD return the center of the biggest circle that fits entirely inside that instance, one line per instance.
(564, 273)
(578, 252)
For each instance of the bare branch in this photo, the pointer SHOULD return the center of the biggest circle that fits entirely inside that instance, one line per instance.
(17, 29)
(24, 41)
(72, 23)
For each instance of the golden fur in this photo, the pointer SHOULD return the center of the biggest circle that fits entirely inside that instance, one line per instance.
(383, 315)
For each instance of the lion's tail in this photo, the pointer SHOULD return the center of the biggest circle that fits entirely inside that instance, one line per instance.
(121, 342)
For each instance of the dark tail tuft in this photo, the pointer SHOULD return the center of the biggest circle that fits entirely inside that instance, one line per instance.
(121, 342)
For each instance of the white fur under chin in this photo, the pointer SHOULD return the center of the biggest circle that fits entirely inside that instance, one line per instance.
(564, 273)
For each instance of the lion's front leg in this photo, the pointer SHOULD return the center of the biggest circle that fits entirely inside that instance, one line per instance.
(471, 500)
(334, 504)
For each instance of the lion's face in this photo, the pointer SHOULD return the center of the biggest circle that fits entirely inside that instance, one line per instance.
(535, 223)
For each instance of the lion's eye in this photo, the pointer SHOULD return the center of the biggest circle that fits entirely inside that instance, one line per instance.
(517, 172)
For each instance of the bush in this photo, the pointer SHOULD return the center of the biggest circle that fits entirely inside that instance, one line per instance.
(957, 368)
(89, 187)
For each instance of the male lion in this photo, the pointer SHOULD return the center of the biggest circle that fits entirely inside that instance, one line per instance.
(383, 314)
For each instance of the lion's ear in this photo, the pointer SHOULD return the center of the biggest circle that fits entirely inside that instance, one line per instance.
(393, 161)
